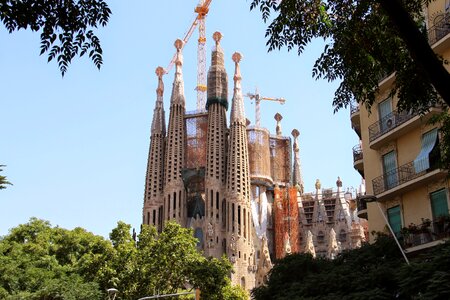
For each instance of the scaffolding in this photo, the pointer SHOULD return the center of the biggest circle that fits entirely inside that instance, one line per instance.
(196, 129)
(259, 154)
(280, 159)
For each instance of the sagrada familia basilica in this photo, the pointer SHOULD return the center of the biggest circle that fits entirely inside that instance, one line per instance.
(239, 187)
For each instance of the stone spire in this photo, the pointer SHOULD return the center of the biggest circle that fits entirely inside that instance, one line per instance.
(153, 198)
(297, 176)
(278, 117)
(217, 90)
(216, 143)
(238, 187)
(175, 150)
(237, 109)
(238, 180)
(159, 123)
(178, 83)
(217, 104)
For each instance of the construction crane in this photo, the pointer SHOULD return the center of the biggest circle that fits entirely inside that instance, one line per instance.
(258, 99)
(201, 10)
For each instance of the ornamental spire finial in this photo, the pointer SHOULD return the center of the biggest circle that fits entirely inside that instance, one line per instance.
(179, 45)
(160, 89)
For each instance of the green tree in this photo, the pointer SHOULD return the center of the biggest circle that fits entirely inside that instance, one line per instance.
(363, 44)
(374, 271)
(66, 27)
(40, 262)
(3, 180)
(365, 41)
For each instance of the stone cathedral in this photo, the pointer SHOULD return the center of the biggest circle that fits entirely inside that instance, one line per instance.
(237, 186)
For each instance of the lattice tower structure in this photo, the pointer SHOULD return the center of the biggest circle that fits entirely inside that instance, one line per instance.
(239, 230)
(176, 144)
(202, 10)
(153, 195)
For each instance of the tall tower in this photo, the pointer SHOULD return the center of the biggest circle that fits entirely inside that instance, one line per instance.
(153, 195)
(217, 104)
(297, 176)
(239, 226)
(175, 207)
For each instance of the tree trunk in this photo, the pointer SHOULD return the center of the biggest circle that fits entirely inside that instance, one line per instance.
(418, 47)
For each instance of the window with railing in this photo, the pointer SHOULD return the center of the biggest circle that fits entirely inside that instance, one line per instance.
(389, 122)
(440, 28)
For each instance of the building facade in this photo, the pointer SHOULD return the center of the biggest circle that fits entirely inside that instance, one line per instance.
(398, 155)
(238, 187)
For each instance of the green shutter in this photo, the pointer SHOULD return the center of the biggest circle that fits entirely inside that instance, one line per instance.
(395, 219)
(439, 205)
(390, 170)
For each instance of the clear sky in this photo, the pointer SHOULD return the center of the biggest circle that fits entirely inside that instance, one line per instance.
(76, 147)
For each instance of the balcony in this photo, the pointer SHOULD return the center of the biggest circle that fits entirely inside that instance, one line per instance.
(404, 179)
(426, 235)
(396, 124)
(358, 159)
(355, 118)
(440, 28)
(362, 208)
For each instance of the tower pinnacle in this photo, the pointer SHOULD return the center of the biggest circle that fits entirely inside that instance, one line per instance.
(237, 110)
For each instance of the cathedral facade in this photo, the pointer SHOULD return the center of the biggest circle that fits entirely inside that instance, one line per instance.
(237, 186)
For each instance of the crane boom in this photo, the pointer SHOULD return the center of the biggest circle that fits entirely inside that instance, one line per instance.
(256, 96)
(201, 10)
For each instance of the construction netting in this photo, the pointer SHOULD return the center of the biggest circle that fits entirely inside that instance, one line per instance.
(259, 153)
(280, 159)
(196, 129)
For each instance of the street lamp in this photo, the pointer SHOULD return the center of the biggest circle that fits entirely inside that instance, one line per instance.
(112, 293)
(371, 198)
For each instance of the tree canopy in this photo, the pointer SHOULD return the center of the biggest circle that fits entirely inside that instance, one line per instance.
(38, 261)
(363, 45)
(66, 27)
(3, 181)
(375, 271)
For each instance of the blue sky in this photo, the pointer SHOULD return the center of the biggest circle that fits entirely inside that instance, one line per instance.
(76, 147)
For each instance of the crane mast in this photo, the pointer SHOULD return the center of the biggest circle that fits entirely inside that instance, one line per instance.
(257, 97)
(201, 10)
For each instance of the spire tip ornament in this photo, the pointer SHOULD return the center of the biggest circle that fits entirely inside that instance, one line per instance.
(160, 72)
(217, 36)
(178, 44)
(237, 57)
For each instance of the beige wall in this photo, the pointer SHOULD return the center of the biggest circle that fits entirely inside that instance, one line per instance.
(415, 203)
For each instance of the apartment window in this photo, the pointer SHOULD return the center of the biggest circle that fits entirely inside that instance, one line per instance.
(439, 205)
(427, 156)
(385, 112)
(390, 170)
(395, 219)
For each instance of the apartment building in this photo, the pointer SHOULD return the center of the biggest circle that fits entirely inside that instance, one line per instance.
(399, 157)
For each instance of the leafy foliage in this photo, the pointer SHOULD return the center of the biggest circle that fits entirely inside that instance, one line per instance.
(3, 180)
(66, 26)
(38, 261)
(375, 271)
(363, 45)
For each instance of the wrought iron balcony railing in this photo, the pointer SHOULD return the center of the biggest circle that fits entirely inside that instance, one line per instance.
(357, 153)
(388, 123)
(400, 175)
(440, 28)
